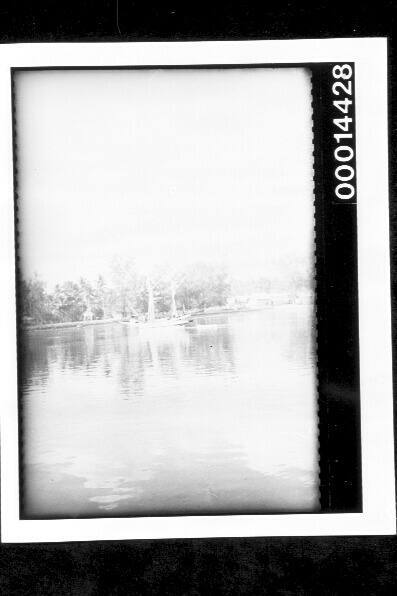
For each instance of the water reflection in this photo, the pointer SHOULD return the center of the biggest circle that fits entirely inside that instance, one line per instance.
(216, 417)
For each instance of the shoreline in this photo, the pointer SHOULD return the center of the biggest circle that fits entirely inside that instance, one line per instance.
(69, 324)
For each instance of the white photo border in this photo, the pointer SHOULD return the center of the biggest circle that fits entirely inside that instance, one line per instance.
(370, 58)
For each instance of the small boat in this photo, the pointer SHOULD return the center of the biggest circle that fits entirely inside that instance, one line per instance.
(151, 322)
(164, 322)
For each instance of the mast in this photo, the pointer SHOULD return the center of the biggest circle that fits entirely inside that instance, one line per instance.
(173, 304)
(150, 308)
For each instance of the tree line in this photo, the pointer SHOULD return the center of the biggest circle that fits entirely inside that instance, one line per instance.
(124, 293)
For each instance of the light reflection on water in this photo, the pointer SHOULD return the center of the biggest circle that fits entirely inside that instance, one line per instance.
(215, 418)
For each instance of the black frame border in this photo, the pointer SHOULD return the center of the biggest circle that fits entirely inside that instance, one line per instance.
(336, 300)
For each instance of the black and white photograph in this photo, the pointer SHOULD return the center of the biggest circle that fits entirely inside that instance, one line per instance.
(194, 260)
(166, 251)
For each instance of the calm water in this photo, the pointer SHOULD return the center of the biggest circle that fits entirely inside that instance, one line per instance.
(219, 417)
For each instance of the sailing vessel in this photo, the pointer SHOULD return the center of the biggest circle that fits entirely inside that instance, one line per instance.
(151, 321)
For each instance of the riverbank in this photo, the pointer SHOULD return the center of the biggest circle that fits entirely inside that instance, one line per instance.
(68, 324)
(201, 313)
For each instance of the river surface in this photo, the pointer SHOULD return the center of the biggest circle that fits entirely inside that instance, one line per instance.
(219, 417)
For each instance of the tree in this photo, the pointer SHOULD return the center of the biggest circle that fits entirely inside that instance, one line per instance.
(36, 304)
(69, 301)
(127, 287)
(202, 285)
(100, 298)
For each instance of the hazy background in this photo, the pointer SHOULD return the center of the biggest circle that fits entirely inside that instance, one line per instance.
(164, 166)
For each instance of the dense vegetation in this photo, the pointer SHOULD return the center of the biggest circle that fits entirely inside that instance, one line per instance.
(124, 293)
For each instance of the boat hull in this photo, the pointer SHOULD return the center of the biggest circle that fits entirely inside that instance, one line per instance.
(159, 323)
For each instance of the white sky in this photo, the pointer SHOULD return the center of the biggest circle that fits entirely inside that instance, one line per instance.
(164, 165)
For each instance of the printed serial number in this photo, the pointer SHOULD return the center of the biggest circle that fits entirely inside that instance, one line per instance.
(344, 152)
